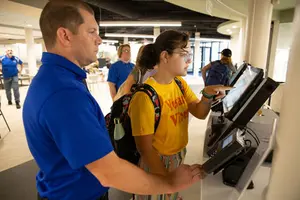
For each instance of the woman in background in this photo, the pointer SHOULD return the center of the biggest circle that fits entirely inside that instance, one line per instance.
(137, 76)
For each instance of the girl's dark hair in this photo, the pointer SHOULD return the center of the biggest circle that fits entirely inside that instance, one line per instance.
(166, 41)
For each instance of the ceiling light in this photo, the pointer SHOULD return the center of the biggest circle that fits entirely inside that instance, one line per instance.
(234, 26)
(110, 41)
(29, 25)
(228, 30)
(128, 35)
(139, 23)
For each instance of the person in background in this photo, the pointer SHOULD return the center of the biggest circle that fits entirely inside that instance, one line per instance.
(64, 125)
(119, 71)
(10, 73)
(137, 76)
(164, 150)
(220, 71)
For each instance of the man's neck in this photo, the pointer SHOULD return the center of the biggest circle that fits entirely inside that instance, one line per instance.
(65, 55)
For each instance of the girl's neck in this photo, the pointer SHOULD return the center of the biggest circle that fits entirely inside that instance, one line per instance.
(162, 76)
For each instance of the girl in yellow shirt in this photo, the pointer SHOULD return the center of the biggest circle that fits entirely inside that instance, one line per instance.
(164, 150)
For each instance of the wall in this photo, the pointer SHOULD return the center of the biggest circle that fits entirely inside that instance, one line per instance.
(287, 16)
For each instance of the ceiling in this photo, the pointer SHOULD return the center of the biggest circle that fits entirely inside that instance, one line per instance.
(143, 10)
(15, 15)
(228, 9)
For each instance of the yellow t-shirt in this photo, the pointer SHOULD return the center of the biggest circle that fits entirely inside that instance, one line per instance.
(172, 132)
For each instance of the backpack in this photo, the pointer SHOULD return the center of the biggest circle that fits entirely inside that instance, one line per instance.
(218, 74)
(119, 125)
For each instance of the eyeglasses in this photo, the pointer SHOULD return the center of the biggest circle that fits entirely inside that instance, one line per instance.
(126, 51)
(187, 57)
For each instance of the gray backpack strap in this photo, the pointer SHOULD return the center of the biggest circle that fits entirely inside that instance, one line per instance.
(139, 77)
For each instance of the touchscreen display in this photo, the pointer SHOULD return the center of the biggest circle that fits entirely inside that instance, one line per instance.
(239, 88)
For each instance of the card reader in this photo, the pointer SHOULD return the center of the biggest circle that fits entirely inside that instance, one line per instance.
(224, 151)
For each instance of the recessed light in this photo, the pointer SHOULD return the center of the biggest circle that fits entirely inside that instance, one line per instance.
(228, 30)
(29, 25)
(234, 26)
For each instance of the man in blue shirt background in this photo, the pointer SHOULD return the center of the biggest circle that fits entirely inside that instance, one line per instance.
(10, 73)
(119, 71)
(65, 128)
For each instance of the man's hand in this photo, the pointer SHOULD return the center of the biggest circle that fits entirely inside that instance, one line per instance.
(217, 90)
(185, 176)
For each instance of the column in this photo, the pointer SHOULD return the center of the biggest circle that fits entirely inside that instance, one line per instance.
(156, 32)
(285, 176)
(125, 40)
(43, 46)
(197, 55)
(258, 32)
(30, 52)
(243, 32)
(235, 46)
(278, 94)
(273, 47)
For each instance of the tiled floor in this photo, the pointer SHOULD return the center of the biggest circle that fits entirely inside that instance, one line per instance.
(14, 150)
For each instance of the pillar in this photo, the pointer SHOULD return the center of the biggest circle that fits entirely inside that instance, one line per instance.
(31, 59)
(273, 47)
(258, 32)
(285, 176)
(156, 32)
(43, 46)
(197, 55)
(243, 35)
(236, 46)
(125, 40)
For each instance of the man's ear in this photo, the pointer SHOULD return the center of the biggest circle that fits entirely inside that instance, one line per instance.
(164, 57)
(63, 36)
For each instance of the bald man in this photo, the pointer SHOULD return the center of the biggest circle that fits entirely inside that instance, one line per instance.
(10, 73)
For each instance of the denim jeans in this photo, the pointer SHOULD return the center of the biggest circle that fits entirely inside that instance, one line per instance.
(12, 83)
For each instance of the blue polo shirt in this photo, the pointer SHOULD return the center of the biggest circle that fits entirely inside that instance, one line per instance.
(9, 66)
(118, 73)
(65, 130)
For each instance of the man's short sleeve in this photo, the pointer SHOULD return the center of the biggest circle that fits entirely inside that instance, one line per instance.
(77, 127)
(112, 74)
(19, 61)
(141, 113)
(189, 95)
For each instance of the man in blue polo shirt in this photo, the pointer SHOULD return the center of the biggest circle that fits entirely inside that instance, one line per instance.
(119, 71)
(10, 73)
(65, 128)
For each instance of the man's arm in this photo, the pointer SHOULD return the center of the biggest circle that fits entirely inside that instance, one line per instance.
(112, 89)
(112, 171)
(21, 69)
(204, 70)
(150, 155)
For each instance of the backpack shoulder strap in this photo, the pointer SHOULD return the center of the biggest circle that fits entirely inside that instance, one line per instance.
(149, 90)
(178, 82)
